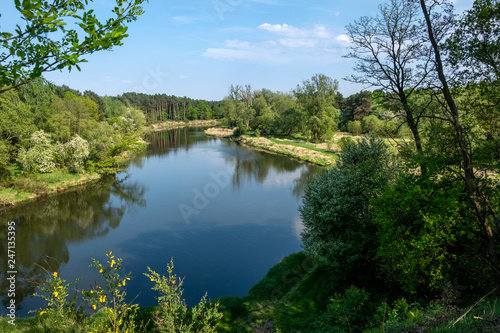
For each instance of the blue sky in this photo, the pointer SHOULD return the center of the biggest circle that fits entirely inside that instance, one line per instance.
(198, 48)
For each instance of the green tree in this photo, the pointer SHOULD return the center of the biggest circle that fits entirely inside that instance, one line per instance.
(475, 185)
(336, 211)
(473, 48)
(317, 97)
(44, 42)
(355, 127)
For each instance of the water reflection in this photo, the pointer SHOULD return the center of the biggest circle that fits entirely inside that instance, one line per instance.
(45, 228)
(231, 242)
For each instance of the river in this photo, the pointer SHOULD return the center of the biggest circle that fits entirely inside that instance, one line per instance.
(223, 212)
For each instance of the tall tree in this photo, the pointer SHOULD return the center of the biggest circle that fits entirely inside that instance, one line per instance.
(44, 43)
(391, 53)
(477, 197)
(317, 97)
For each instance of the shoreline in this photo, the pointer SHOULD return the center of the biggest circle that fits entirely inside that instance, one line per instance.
(318, 154)
(180, 124)
(48, 184)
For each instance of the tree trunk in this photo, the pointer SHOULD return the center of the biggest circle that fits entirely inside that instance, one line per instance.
(473, 190)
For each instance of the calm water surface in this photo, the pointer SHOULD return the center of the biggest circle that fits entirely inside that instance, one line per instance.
(223, 212)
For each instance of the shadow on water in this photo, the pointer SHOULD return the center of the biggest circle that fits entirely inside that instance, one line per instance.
(46, 227)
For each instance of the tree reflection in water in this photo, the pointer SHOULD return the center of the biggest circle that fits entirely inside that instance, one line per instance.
(46, 227)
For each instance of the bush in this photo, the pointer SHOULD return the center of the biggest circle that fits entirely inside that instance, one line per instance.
(338, 219)
(77, 151)
(355, 127)
(174, 316)
(349, 312)
(40, 157)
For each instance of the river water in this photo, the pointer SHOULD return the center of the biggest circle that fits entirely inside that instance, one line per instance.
(223, 212)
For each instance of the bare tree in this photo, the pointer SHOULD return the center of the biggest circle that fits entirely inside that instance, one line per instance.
(392, 52)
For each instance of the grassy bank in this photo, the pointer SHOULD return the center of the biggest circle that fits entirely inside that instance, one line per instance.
(179, 124)
(23, 186)
(300, 295)
(324, 154)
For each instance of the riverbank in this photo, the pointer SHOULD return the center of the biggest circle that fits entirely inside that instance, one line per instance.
(29, 187)
(25, 187)
(179, 124)
(298, 295)
(323, 154)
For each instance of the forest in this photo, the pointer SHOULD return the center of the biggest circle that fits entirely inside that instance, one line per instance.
(401, 234)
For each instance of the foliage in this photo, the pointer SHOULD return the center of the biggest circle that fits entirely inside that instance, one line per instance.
(347, 312)
(317, 97)
(109, 299)
(425, 234)
(40, 156)
(174, 316)
(336, 212)
(46, 43)
(77, 151)
(474, 43)
(355, 127)
(59, 313)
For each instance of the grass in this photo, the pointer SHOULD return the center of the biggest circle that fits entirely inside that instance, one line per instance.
(171, 124)
(30, 186)
(300, 150)
(295, 296)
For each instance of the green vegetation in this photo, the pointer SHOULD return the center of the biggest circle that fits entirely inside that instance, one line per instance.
(107, 311)
(46, 42)
(393, 241)
(54, 137)
(403, 240)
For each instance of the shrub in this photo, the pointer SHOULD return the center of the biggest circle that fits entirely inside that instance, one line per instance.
(336, 208)
(174, 316)
(40, 157)
(77, 151)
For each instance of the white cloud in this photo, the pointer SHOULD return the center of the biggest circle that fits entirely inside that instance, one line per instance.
(287, 44)
(182, 77)
(127, 81)
(319, 31)
(343, 38)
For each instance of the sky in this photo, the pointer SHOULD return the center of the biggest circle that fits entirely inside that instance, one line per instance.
(199, 48)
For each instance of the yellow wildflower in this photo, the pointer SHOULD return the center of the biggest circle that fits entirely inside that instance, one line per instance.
(42, 312)
(56, 294)
(55, 274)
(94, 307)
(113, 262)
(102, 298)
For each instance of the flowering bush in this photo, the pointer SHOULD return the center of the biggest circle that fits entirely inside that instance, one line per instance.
(77, 151)
(110, 298)
(60, 312)
(40, 156)
(174, 316)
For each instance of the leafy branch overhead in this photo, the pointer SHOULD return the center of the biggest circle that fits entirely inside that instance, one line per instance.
(45, 42)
